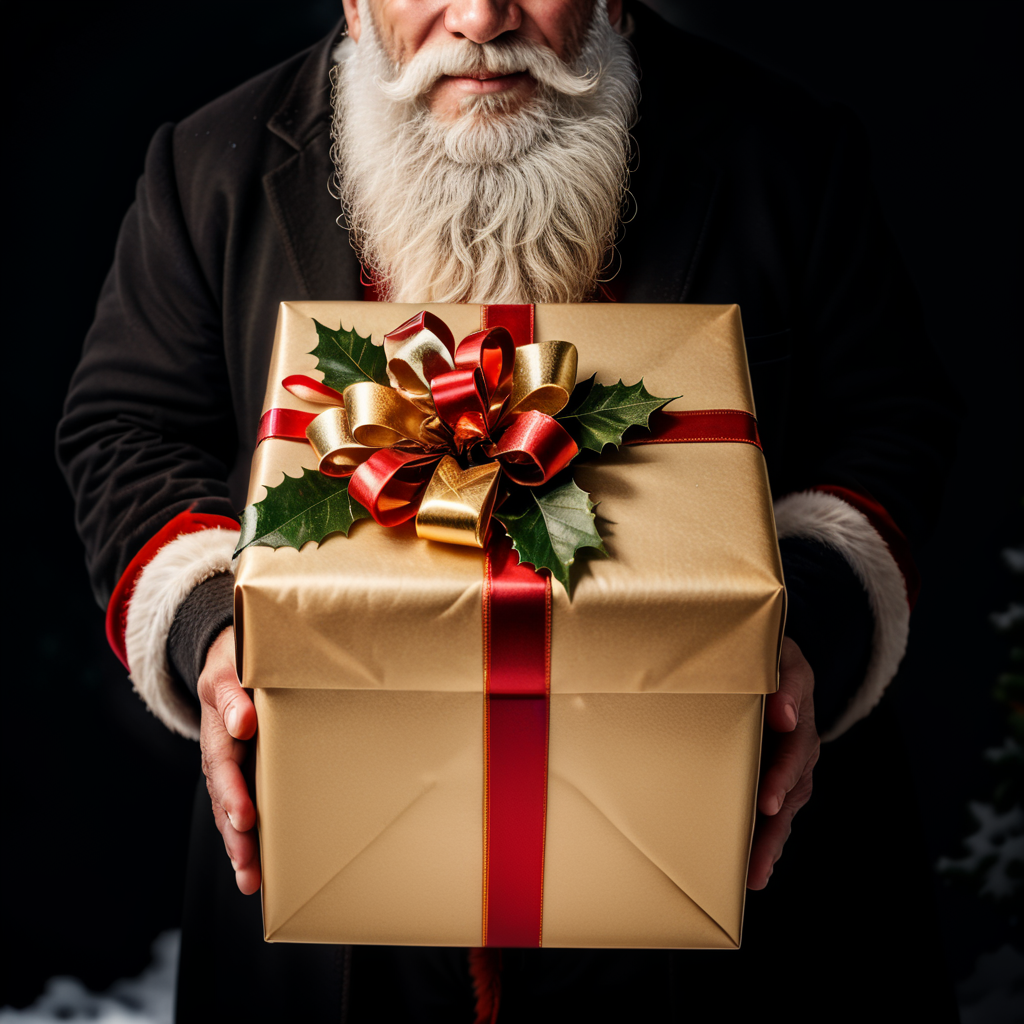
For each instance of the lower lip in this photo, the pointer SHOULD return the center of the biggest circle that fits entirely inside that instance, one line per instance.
(488, 85)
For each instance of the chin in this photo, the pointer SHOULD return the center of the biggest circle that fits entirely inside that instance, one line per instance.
(493, 128)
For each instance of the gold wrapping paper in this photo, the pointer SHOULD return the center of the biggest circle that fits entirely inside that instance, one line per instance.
(366, 655)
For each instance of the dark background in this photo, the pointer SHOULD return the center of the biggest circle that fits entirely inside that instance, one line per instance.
(97, 792)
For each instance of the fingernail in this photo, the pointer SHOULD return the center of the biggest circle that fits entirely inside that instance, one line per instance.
(234, 867)
(232, 820)
(789, 713)
(776, 804)
(233, 721)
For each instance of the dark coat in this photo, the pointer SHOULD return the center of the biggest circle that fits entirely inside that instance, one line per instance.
(747, 190)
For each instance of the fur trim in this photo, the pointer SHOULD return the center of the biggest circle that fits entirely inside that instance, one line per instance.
(175, 571)
(815, 515)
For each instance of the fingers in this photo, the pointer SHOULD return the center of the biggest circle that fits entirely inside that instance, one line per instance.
(790, 713)
(228, 720)
(242, 850)
(792, 756)
(222, 757)
(789, 759)
(772, 832)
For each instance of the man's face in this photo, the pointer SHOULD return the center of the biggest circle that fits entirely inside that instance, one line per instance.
(407, 27)
(482, 146)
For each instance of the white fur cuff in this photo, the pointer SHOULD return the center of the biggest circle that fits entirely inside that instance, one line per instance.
(175, 571)
(823, 517)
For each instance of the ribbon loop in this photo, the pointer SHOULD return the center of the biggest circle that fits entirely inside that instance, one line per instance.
(456, 506)
(534, 449)
(417, 352)
(380, 417)
(310, 390)
(462, 395)
(493, 351)
(390, 484)
(544, 376)
(337, 451)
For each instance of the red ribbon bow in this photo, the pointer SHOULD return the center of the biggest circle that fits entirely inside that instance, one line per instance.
(469, 394)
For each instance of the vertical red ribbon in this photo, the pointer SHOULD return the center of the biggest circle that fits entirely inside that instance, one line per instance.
(517, 673)
(517, 658)
(517, 320)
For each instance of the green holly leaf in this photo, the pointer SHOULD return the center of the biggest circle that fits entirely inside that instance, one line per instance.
(550, 525)
(300, 509)
(599, 414)
(346, 358)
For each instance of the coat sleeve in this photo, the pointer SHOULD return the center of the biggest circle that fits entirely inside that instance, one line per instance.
(147, 434)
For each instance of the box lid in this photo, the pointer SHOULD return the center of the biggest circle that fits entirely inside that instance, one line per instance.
(690, 599)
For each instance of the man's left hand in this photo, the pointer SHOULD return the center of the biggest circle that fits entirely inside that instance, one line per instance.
(787, 762)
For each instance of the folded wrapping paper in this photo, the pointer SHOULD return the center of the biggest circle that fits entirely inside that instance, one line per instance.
(367, 657)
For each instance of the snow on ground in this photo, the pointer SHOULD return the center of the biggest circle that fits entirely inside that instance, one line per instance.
(147, 999)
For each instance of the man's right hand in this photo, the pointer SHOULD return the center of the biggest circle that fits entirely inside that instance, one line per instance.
(228, 721)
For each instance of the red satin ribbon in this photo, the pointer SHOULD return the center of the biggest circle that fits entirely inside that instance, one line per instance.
(461, 400)
(733, 425)
(517, 662)
(517, 320)
(390, 484)
(288, 424)
(517, 659)
(311, 390)
(534, 448)
(493, 350)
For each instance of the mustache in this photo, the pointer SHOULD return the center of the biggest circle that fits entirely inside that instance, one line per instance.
(465, 58)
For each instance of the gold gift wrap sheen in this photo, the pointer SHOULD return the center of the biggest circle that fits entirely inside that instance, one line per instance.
(366, 658)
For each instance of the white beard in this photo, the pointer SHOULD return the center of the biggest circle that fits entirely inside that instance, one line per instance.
(501, 205)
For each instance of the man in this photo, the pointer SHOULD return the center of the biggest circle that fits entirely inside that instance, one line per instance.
(481, 151)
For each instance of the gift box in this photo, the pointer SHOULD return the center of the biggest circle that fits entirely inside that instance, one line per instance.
(379, 763)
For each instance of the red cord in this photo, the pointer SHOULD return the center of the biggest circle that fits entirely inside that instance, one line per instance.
(485, 970)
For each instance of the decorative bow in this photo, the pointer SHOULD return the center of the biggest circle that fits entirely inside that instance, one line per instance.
(436, 443)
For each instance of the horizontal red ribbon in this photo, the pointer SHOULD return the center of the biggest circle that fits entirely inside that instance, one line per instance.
(286, 424)
(699, 425)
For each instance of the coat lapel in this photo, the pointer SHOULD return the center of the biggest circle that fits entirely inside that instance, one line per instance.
(306, 214)
(662, 244)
